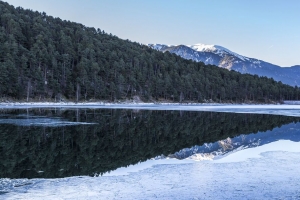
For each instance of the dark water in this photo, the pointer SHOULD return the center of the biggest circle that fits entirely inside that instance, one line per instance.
(52, 143)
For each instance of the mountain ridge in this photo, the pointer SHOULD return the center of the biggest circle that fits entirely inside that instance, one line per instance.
(225, 58)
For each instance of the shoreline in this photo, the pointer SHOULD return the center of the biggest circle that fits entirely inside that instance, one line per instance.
(103, 103)
(136, 101)
(132, 103)
(273, 109)
(128, 104)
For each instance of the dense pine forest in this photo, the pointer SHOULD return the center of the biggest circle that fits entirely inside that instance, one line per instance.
(46, 58)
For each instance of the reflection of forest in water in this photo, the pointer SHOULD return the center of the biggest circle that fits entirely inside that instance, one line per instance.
(119, 138)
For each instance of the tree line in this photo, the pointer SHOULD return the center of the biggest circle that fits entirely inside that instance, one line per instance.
(43, 57)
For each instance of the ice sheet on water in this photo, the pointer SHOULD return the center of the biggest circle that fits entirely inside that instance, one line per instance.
(7, 185)
(144, 165)
(255, 179)
(41, 121)
(249, 153)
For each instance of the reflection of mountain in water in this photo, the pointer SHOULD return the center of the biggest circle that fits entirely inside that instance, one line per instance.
(118, 138)
(228, 145)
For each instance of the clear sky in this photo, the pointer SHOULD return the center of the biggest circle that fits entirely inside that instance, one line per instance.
(265, 29)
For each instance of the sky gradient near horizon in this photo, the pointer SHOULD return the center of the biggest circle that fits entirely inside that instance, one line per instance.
(268, 30)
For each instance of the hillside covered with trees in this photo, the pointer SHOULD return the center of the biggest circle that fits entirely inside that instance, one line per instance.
(42, 58)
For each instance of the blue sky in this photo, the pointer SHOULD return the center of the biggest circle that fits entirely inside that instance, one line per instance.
(265, 29)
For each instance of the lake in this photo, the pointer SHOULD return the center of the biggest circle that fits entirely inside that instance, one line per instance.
(145, 152)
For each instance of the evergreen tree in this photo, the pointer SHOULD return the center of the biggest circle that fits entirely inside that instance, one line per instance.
(42, 57)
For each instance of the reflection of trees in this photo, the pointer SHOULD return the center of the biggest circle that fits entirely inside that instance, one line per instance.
(120, 138)
(243, 137)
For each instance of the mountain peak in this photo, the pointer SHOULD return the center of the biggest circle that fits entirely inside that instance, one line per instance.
(216, 49)
(203, 47)
(225, 58)
(159, 47)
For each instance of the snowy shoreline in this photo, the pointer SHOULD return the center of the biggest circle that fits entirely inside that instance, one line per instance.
(136, 103)
(101, 103)
(272, 109)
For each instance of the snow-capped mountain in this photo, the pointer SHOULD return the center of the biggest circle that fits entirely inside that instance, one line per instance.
(222, 57)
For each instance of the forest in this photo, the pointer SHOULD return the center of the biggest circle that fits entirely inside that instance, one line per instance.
(47, 58)
(118, 138)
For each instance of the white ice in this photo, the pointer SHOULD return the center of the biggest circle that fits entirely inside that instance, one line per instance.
(144, 165)
(273, 175)
(45, 122)
(245, 154)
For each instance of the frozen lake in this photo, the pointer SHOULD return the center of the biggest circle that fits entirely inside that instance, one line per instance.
(150, 151)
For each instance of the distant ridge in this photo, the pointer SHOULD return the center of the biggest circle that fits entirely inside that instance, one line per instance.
(223, 57)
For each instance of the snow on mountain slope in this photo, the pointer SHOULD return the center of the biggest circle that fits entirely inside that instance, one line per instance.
(216, 49)
(223, 57)
(159, 47)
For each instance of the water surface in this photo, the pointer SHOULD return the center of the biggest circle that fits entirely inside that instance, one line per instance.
(64, 142)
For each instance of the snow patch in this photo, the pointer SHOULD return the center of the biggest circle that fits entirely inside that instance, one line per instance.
(216, 49)
(159, 46)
